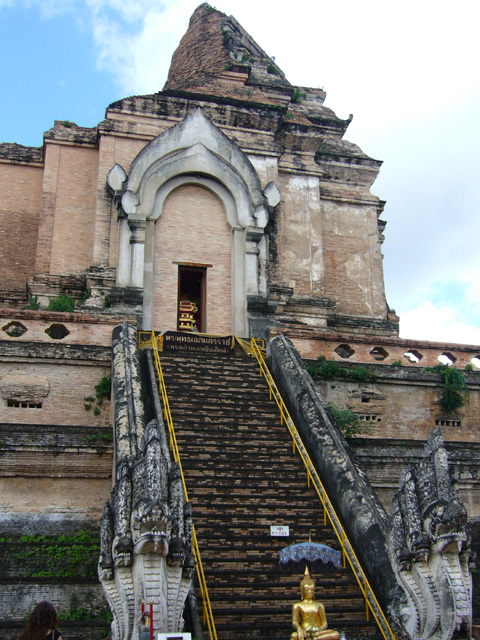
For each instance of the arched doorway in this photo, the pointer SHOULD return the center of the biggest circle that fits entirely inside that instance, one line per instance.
(193, 260)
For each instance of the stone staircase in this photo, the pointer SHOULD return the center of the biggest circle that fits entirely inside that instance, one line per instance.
(242, 477)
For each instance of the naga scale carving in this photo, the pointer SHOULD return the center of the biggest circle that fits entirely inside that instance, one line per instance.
(429, 548)
(146, 528)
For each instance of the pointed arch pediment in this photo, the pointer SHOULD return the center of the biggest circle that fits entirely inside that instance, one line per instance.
(193, 152)
(194, 146)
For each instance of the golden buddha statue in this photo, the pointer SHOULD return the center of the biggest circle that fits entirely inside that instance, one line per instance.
(308, 615)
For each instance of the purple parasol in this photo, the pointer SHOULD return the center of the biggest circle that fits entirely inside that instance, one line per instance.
(318, 557)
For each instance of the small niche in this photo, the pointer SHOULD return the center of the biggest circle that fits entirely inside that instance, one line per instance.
(344, 351)
(57, 331)
(23, 404)
(379, 353)
(15, 329)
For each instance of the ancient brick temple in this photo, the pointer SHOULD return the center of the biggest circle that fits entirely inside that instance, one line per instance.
(231, 195)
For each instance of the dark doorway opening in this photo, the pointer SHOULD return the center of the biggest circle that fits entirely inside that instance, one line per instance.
(192, 283)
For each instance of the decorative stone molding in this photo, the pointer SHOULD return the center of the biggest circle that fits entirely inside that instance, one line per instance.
(24, 386)
(195, 152)
(146, 528)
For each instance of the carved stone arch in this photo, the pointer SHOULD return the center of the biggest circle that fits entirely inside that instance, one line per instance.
(194, 151)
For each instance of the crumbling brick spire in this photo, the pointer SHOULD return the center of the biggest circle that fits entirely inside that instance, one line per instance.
(216, 48)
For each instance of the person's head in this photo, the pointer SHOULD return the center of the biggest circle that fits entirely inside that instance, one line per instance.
(42, 619)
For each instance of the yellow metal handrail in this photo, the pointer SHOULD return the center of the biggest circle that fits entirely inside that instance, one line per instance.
(312, 475)
(207, 607)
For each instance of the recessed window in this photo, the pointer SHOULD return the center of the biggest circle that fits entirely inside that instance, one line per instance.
(15, 329)
(192, 287)
(23, 404)
(57, 331)
(344, 351)
(447, 422)
(368, 417)
(379, 353)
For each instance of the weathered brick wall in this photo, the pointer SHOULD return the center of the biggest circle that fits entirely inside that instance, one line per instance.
(191, 63)
(328, 249)
(402, 402)
(20, 197)
(299, 240)
(33, 327)
(75, 497)
(384, 460)
(193, 229)
(74, 210)
(389, 350)
(60, 387)
(54, 561)
(353, 259)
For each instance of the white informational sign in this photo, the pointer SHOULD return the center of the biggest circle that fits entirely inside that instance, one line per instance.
(174, 636)
(278, 531)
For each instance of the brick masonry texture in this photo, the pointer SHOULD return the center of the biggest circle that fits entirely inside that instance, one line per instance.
(193, 229)
(20, 196)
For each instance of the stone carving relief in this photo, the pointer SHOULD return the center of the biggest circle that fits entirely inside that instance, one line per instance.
(429, 548)
(146, 528)
(197, 152)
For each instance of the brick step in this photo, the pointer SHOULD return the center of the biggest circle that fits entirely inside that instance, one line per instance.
(254, 594)
(229, 476)
(260, 534)
(217, 467)
(231, 556)
(221, 439)
(232, 544)
(273, 629)
(277, 607)
(246, 460)
(230, 422)
(267, 508)
(229, 428)
(200, 362)
(342, 581)
(216, 408)
(247, 456)
(237, 627)
(247, 383)
(243, 476)
(251, 427)
(223, 378)
(231, 496)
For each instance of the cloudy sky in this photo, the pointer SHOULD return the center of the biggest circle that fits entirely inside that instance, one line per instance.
(407, 71)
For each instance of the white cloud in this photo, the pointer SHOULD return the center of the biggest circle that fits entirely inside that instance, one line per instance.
(135, 40)
(437, 324)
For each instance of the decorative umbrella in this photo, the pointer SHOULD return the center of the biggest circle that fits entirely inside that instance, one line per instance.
(318, 557)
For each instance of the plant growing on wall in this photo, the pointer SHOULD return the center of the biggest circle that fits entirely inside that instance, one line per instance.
(349, 422)
(33, 303)
(102, 390)
(455, 391)
(63, 302)
(298, 95)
